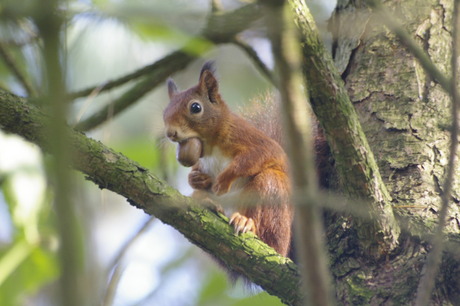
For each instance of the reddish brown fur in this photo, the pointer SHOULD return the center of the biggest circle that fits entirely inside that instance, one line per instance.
(252, 155)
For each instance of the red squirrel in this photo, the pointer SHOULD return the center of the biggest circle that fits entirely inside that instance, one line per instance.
(231, 159)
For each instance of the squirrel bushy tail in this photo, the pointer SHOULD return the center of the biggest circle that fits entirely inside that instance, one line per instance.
(236, 159)
(264, 113)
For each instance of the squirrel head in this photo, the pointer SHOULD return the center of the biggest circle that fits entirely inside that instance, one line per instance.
(196, 112)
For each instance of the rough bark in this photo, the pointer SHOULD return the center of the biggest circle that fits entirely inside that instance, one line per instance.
(359, 175)
(309, 232)
(406, 121)
(245, 254)
(406, 118)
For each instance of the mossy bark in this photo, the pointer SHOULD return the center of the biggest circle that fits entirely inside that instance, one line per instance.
(309, 232)
(357, 169)
(406, 121)
(405, 115)
(406, 118)
(245, 254)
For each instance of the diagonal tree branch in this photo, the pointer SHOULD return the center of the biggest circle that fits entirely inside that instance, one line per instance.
(160, 71)
(252, 54)
(245, 254)
(220, 28)
(31, 92)
(230, 23)
(310, 240)
(434, 258)
(355, 162)
(405, 38)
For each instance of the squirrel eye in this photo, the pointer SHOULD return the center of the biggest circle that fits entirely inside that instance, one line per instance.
(195, 108)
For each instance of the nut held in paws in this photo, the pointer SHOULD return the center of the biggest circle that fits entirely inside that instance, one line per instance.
(189, 151)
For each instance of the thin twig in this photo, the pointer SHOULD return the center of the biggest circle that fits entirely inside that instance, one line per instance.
(309, 229)
(113, 284)
(114, 83)
(220, 28)
(116, 265)
(163, 68)
(16, 71)
(423, 58)
(252, 54)
(88, 102)
(433, 261)
(354, 160)
(124, 249)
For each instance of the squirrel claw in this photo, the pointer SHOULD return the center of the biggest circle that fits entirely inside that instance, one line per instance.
(203, 198)
(213, 206)
(242, 224)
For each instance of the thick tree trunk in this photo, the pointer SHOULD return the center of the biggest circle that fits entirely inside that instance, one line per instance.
(406, 117)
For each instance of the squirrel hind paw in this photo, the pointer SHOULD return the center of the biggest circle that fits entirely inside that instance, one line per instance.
(242, 224)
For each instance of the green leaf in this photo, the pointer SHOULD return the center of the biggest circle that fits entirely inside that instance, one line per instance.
(29, 268)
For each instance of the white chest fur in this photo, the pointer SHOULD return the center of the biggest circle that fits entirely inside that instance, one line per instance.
(214, 163)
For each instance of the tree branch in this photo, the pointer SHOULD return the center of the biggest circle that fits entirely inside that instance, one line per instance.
(421, 56)
(220, 28)
(158, 72)
(245, 254)
(252, 54)
(355, 163)
(434, 258)
(16, 71)
(310, 242)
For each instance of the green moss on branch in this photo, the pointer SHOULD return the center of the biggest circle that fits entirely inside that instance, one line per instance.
(108, 169)
(356, 166)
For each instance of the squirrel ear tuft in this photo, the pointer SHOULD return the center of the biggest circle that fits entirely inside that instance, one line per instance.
(208, 82)
(209, 65)
(172, 87)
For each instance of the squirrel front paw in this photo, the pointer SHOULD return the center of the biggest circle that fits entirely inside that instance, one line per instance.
(242, 224)
(199, 180)
(221, 186)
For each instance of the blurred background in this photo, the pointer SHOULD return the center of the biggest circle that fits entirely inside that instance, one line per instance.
(128, 258)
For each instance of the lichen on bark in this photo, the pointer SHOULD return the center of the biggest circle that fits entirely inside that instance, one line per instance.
(407, 127)
(406, 118)
(245, 254)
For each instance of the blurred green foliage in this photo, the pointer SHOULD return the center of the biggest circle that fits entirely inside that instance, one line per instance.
(29, 261)
(215, 291)
(98, 51)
